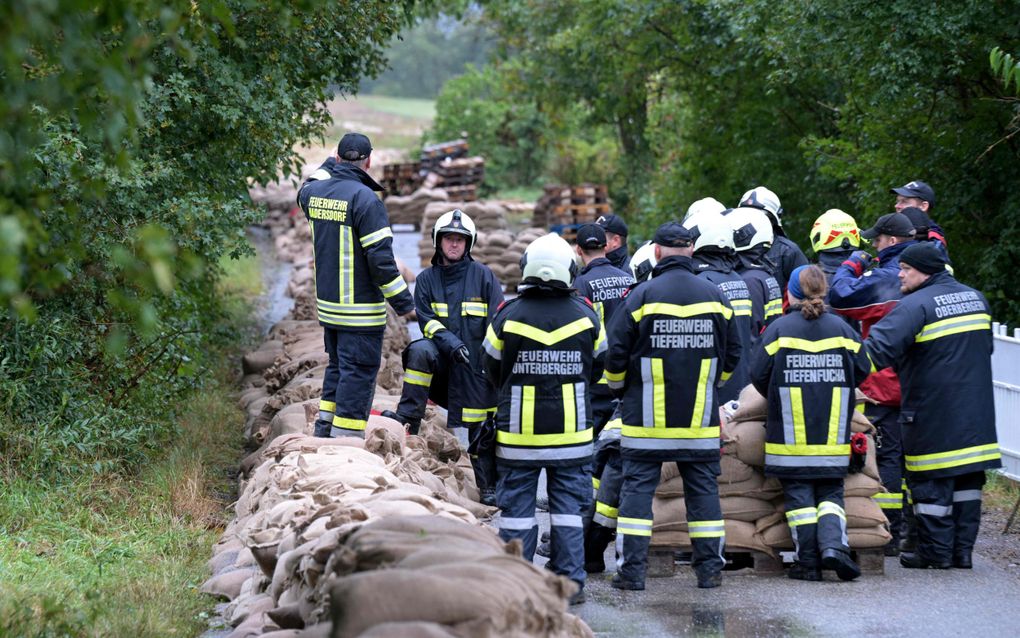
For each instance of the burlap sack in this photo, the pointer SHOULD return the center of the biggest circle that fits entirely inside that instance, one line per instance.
(742, 508)
(734, 470)
(863, 512)
(860, 423)
(670, 488)
(860, 484)
(749, 442)
(773, 531)
(753, 406)
(740, 536)
(868, 537)
(669, 514)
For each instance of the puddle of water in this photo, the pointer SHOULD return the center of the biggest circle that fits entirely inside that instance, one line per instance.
(274, 304)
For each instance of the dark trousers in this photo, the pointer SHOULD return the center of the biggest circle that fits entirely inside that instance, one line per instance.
(568, 487)
(704, 516)
(889, 454)
(349, 383)
(948, 512)
(607, 480)
(814, 512)
(602, 406)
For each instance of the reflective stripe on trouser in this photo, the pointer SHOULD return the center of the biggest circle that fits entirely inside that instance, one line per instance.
(349, 380)
(948, 513)
(814, 512)
(889, 456)
(420, 357)
(607, 500)
(634, 525)
(515, 493)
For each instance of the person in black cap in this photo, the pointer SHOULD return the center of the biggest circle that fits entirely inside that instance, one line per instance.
(669, 347)
(355, 275)
(939, 339)
(925, 229)
(616, 240)
(867, 291)
(914, 193)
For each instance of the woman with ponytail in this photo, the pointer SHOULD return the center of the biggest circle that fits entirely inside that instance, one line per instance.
(807, 365)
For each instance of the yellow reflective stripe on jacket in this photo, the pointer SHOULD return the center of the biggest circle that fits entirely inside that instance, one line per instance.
(475, 415)
(658, 394)
(677, 310)
(606, 510)
(614, 424)
(615, 379)
(774, 307)
(802, 516)
(641, 432)
(530, 439)
(836, 414)
(474, 309)
(548, 338)
(954, 325)
(806, 345)
(807, 449)
(349, 424)
(346, 265)
(569, 408)
(725, 376)
(353, 320)
(953, 458)
(528, 411)
(601, 344)
(492, 344)
(432, 327)
(395, 287)
(416, 377)
(351, 308)
(440, 309)
(377, 236)
(706, 529)
(741, 307)
(701, 402)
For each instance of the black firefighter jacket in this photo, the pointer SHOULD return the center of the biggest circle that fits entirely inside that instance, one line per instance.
(669, 348)
(939, 341)
(719, 269)
(355, 273)
(544, 350)
(808, 369)
(455, 304)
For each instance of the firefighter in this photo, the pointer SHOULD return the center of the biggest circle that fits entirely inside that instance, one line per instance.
(834, 237)
(866, 291)
(607, 477)
(355, 275)
(455, 299)
(616, 240)
(939, 340)
(670, 347)
(784, 253)
(715, 260)
(543, 351)
(752, 239)
(807, 366)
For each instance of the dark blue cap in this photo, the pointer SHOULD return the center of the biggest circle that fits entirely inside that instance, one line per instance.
(673, 235)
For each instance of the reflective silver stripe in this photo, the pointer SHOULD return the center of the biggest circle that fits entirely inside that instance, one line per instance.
(786, 406)
(325, 416)
(779, 460)
(843, 401)
(579, 401)
(601, 346)
(706, 418)
(491, 350)
(610, 434)
(545, 454)
(979, 320)
(641, 527)
(636, 443)
(565, 520)
(957, 459)
(394, 287)
(807, 516)
(829, 508)
(930, 509)
(335, 432)
(319, 174)
(647, 393)
(604, 520)
(963, 496)
(352, 320)
(515, 409)
(517, 523)
(377, 236)
(351, 308)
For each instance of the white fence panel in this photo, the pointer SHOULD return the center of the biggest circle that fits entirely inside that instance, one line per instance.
(1006, 378)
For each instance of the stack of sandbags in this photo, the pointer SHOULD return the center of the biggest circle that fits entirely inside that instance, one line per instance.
(489, 219)
(508, 268)
(409, 209)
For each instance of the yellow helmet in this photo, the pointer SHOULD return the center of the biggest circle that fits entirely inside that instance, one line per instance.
(835, 229)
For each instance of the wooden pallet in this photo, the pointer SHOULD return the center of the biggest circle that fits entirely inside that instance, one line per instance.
(661, 562)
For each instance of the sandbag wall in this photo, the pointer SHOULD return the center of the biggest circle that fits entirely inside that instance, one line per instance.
(752, 505)
(381, 536)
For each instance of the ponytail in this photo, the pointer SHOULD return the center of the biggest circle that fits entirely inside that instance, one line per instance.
(810, 293)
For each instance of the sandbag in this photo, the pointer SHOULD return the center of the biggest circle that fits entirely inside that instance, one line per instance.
(860, 484)
(749, 442)
(742, 508)
(734, 470)
(860, 423)
(863, 512)
(740, 535)
(868, 537)
(228, 584)
(753, 406)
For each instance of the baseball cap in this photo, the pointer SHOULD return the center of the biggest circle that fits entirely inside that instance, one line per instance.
(918, 218)
(673, 235)
(354, 147)
(612, 224)
(591, 236)
(916, 189)
(894, 224)
(924, 256)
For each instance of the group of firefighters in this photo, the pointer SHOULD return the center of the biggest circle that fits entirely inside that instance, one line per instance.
(604, 366)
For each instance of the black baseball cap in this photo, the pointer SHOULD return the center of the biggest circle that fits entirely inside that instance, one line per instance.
(673, 235)
(918, 218)
(354, 147)
(894, 224)
(916, 189)
(591, 236)
(612, 224)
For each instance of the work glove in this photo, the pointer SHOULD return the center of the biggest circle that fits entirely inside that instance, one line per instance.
(858, 262)
(461, 355)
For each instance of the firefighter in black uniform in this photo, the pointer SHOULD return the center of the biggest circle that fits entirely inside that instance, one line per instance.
(455, 299)
(807, 366)
(784, 253)
(939, 341)
(544, 350)
(752, 238)
(616, 240)
(672, 344)
(715, 260)
(355, 275)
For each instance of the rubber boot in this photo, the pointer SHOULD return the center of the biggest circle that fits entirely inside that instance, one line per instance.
(596, 540)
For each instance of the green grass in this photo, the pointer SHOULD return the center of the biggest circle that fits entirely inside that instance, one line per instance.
(407, 107)
(520, 193)
(1000, 491)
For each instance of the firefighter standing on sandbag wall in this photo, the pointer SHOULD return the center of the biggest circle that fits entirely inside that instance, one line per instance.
(672, 344)
(544, 350)
(752, 239)
(807, 365)
(455, 299)
(939, 340)
(866, 291)
(355, 275)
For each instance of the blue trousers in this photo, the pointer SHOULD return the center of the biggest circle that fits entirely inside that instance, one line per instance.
(948, 512)
(348, 386)
(817, 520)
(569, 494)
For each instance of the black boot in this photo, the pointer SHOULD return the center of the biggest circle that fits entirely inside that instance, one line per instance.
(596, 540)
(799, 571)
(840, 561)
(620, 583)
(963, 560)
(709, 579)
(411, 426)
(915, 561)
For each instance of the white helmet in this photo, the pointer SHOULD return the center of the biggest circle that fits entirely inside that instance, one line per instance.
(764, 199)
(456, 221)
(643, 261)
(751, 227)
(704, 205)
(710, 229)
(549, 259)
